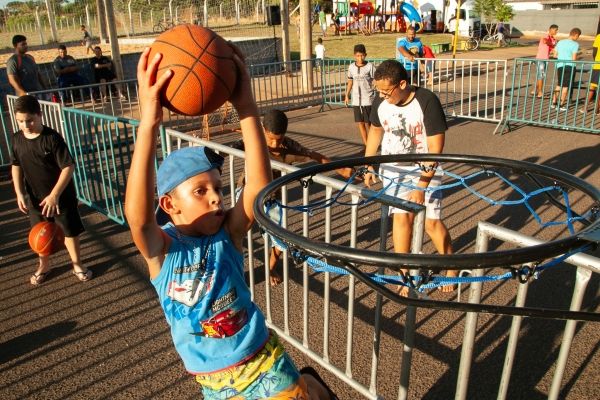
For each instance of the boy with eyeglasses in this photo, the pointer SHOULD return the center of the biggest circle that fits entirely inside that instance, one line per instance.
(408, 119)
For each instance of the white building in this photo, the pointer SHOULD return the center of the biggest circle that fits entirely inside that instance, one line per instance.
(522, 5)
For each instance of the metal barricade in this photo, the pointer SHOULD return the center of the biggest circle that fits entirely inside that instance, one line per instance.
(5, 140)
(51, 114)
(568, 100)
(471, 89)
(102, 148)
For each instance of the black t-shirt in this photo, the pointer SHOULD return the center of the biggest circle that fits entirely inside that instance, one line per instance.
(42, 160)
(102, 73)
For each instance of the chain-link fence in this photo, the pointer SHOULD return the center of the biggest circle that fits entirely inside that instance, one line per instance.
(53, 21)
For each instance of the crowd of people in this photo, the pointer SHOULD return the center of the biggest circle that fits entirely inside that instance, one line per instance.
(25, 77)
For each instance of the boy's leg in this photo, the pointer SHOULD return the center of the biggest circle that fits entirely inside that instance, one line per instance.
(73, 247)
(41, 272)
(275, 278)
(362, 128)
(440, 237)
(402, 227)
(103, 87)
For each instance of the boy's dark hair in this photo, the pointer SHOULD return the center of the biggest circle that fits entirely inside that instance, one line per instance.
(360, 48)
(27, 104)
(319, 40)
(97, 47)
(18, 39)
(391, 70)
(553, 26)
(62, 47)
(275, 121)
(83, 26)
(575, 31)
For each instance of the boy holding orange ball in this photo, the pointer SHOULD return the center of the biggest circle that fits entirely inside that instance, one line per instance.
(42, 172)
(196, 260)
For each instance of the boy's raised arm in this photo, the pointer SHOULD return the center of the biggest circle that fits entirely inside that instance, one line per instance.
(241, 216)
(139, 197)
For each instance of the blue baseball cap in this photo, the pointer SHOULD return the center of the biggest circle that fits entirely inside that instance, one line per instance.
(181, 165)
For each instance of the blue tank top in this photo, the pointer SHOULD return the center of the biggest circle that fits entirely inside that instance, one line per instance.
(203, 293)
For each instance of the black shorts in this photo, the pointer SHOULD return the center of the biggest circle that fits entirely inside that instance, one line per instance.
(566, 76)
(362, 113)
(68, 219)
(106, 74)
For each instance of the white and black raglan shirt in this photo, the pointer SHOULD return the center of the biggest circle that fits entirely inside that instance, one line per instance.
(407, 126)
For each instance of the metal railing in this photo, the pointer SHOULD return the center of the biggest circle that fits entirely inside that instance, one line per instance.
(102, 148)
(471, 89)
(5, 139)
(580, 110)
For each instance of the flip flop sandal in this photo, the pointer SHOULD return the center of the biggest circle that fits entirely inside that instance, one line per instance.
(311, 371)
(38, 278)
(83, 276)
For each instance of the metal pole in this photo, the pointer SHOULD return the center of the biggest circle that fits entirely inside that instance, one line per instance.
(285, 31)
(466, 354)
(131, 29)
(206, 12)
(52, 20)
(457, 18)
(88, 20)
(39, 24)
(513, 339)
(411, 312)
(101, 21)
(112, 36)
(306, 45)
(582, 278)
(383, 231)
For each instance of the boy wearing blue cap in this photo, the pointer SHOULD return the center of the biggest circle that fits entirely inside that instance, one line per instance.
(195, 261)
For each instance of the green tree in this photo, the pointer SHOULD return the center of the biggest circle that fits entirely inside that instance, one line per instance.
(492, 12)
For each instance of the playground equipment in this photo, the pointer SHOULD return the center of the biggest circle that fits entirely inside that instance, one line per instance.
(351, 12)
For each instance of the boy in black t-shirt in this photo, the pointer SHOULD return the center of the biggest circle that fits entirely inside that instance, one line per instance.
(42, 173)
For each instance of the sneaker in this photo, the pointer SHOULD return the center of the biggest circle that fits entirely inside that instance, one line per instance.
(582, 110)
(106, 98)
(562, 108)
(553, 106)
(122, 97)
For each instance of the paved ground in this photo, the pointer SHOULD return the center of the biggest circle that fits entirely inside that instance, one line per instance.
(107, 339)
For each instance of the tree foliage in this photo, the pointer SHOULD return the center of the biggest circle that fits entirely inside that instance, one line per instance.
(492, 12)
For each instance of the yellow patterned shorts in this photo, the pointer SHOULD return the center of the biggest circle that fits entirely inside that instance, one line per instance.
(270, 374)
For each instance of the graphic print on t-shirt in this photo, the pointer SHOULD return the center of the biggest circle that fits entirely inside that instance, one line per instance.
(404, 136)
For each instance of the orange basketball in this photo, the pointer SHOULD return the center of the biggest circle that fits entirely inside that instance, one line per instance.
(204, 73)
(46, 238)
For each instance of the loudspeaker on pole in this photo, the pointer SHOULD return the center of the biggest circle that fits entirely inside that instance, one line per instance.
(273, 15)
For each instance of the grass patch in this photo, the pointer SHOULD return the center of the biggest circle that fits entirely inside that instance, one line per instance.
(379, 45)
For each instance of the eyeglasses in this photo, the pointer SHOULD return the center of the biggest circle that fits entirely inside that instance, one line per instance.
(388, 93)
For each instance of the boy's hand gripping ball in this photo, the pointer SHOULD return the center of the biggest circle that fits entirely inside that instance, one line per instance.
(46, 238)
(204, 73)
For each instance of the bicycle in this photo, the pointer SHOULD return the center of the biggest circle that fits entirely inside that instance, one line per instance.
(495, 38)
(162, 26)
(472, 42)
